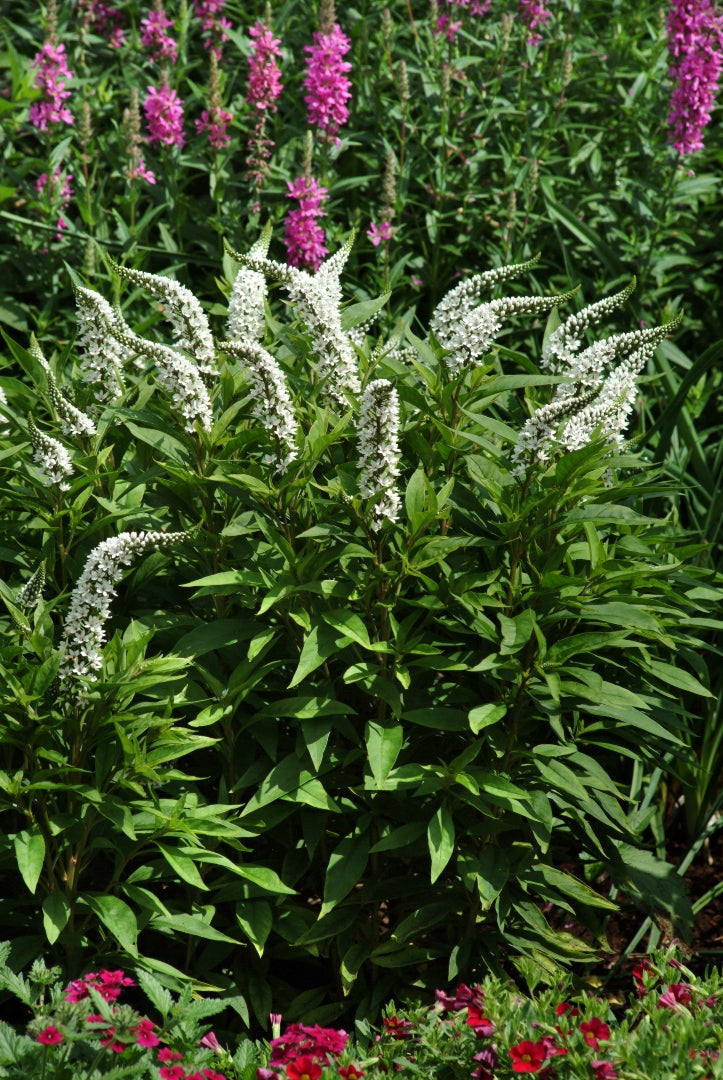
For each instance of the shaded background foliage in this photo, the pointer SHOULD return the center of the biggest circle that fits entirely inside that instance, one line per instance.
(200, 788)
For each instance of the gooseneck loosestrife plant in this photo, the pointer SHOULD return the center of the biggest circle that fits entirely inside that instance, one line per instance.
(671, 1026)
(421, 632)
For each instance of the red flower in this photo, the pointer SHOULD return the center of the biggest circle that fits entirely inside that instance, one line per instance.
(398, 1029)
(565, 1007)
(477, 1020)
(304, 1068)
(211, 1075)
(677, 995)
(350, 1072)
(314, 1041)
(50, 1036)
(528, 1056)
(594, 1031)
(145, 1033)
(604, 1070)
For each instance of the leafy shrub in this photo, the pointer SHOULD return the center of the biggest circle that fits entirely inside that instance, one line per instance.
(398, 633)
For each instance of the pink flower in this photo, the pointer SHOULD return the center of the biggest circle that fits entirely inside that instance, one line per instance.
(166, 1054)
(153, 37)
(695, 43)
(50, 1036)
(138, 171)
(312, 1042)
(604, 1070)
(210, 1041)
(326, 82)
(172, 1072)
(215, 123)
(213, 24)
(303, 236)
(52, 71)
(376, 234)
(534, 14)
(677, 996)
(464, 995)
(264, 75)
(145, 1033)
(107, 983)
(164, 116)
(446, 26)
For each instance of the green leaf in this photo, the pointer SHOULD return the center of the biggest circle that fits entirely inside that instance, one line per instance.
(193, 925)
(440, 840)
(347, 863)
(485, 716)
(656, 883)
(492, 871)
(255, 918)
(572, 887)
(321, 642)
(183, 865)
(156, 993)
(516, 632)
(675, 676)
(30, 855)
(400, 837)
(383, 746)
(56, 912)
(348, 624)
(118, 917)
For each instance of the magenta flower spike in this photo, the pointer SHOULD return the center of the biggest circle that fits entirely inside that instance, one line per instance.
(52, 71)
(303, 235)
(695, 44)
(164, 116)
(326, 81)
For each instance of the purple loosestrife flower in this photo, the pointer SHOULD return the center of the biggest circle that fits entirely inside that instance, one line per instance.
(695, 43)
(105, 20)
(534, 14)
(52, 71)
(164, 116)
(265, 87)
(378, 233)
(303, 235)
(213, 24)
(328, 87)
(153, 36)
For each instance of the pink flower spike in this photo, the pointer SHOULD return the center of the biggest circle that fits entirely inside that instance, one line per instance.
(52, 71)
(303, 235)
(328, 87)
(153, 37)
(164, 116)
(264, 75)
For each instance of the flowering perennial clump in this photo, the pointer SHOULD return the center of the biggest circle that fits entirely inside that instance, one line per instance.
(695, 44)
(89, 609)
(378, 430)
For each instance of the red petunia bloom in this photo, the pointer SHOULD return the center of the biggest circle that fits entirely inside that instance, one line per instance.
(350, 1072)
(304, 1068)
(676, 996)
(594, 1032)
(172, 1072)
(50, 1036)
(528, 1056)
(566, 1009)
(604, 1070)
(398, 1029)
(476, 1019)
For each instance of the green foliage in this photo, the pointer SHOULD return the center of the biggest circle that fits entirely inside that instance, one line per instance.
(326, 749)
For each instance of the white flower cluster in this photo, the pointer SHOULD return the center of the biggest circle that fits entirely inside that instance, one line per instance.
(51, 456)
(32, 590)
(474, 335)
(461, 300)
(178, 376)
(246, 316)
(599, 397)
(564, 342)
(318, 298)
(183, 311)
(270, 401)
(72, 420)
(378, 443)
(90, 601)
(102, 356)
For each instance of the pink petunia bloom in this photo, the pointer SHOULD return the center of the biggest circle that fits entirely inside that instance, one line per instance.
(166, 1054)
(303, 1068)
(52, 71)
(172, 1072)
(153, 36)
(303, 235)
(695, 43)
(604, 1070)
(677, 996)
(328, 87)
(50, 1036)
(164, 116)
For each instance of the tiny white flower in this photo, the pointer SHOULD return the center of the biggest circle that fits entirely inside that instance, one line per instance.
(102, 356)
